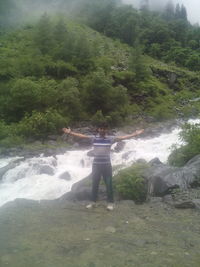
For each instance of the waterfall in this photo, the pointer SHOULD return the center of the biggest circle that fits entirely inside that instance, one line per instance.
(50, 177)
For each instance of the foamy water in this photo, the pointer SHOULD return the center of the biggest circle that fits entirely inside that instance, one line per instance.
(26, 180)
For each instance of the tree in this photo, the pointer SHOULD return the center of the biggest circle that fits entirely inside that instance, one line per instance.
(44, 37)
(177, 11)
(60, 32)
(100, 94)
(24, 97)
(169, 12)
(69, 102)
(136, 64)
(183, 12)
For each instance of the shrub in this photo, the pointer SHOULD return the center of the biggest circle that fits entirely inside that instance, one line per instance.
(11, 141)
(98, 118)
(4, 129)
(8, 135)
(41, 124)
(129, 183)
(191, 137)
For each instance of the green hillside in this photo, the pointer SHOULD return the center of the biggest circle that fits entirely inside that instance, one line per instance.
(60, 71)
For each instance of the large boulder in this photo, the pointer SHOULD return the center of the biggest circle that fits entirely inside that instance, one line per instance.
(82, 191)
(46, 169)
(162, 178)
(65, 176)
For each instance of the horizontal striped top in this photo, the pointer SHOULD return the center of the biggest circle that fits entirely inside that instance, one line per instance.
(101, 149)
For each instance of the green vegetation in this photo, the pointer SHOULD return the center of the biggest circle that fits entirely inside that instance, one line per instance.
(190, 135)
(109, 63)
(129, 183)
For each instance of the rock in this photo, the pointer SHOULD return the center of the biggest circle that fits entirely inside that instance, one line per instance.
(75, 145)
(119, 146)
(60, 150)
(172, 77)
(185, 205)
(49, 152)
(37, 143)
(142, 161)
(65, 176)
(46, 169)
(10, 166)
(163, 178)
(90, 153)
(82, 191)
(126, 155)
(197, 203)
(167, 199)
(51, 142)
(155, 161)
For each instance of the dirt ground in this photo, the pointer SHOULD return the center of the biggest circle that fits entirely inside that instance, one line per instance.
(60, 233)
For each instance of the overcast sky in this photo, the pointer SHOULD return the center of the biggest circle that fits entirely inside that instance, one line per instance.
(192, 6)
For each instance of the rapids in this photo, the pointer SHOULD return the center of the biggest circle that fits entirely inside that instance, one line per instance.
(42, 177)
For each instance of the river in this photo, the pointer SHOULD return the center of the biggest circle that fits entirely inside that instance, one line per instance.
(40, 177)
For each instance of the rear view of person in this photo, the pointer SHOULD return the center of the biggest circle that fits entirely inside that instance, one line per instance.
(101, 166)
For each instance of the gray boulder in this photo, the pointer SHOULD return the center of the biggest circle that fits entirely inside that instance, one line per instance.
(162, 178)
(65, 176)
(46, 169)
(82, 191)
(119, 146)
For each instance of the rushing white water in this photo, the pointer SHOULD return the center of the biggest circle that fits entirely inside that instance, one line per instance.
(40, 177)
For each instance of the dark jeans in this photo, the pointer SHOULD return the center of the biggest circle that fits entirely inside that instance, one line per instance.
(99, 170)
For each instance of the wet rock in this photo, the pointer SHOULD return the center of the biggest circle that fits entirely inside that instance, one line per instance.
(155, 161)
(82, 191)
(46, 169)
(10, 166)
(126, 155)
(75, 145)
(60, 150)
(90, 153)
(119, 146)
(65, 176)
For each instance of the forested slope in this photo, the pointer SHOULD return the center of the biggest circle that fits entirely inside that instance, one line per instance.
(94, 65)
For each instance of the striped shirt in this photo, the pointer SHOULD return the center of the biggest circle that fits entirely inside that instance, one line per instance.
(101, 149)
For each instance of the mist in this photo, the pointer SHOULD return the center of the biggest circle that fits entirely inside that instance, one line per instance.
(192, 6)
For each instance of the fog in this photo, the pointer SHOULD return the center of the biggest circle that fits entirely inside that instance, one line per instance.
(192, 6)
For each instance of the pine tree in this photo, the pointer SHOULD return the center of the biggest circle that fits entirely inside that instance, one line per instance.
(169, 12)
(177, 11)
(44, 38)
(183, 12)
